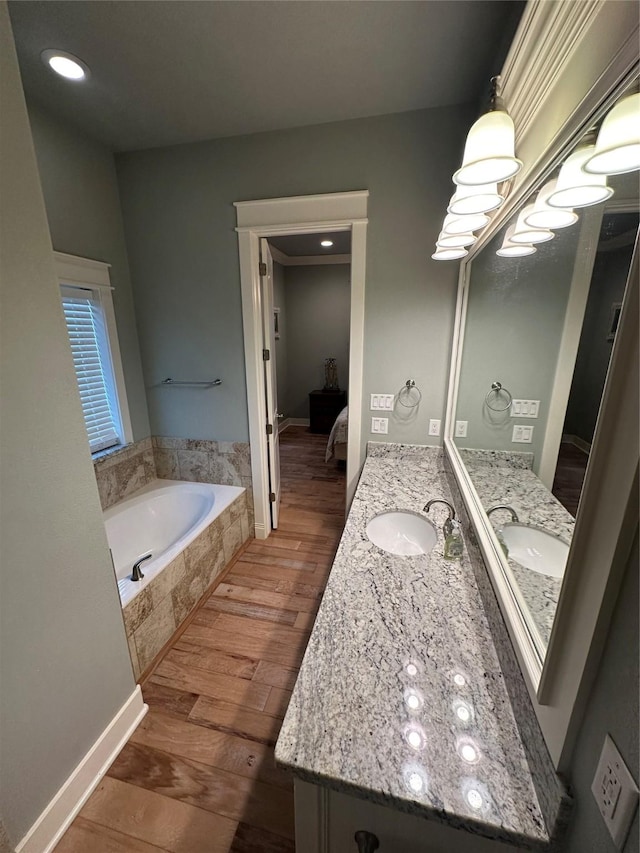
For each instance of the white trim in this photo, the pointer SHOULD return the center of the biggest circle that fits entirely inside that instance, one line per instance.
(287, 422)
(298, 215)
(578, 442)
(285, 260)
(73, 268)
(65, 805)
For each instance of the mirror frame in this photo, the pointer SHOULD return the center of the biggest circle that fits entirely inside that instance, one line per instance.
(583, 85)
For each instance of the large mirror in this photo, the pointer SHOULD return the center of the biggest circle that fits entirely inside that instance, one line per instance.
(540, 318)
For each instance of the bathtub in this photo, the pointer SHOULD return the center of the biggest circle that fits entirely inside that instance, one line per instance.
(161, 519)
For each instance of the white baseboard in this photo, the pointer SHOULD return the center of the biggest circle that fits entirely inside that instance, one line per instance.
(260, 531)
(578, 442)
(287, 422)
(58, 815)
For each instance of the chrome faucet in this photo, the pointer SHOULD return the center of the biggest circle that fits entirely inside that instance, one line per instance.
(136, 574)
(447, 527)
(514, 515)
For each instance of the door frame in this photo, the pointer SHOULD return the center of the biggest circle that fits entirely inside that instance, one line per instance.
(298, 215)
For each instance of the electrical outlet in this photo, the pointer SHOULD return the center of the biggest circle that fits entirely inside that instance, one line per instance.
(522, 434)
(525, 408)
(461, 429)
(380, 425)
(381, 402)
(434, 427)
(615, 792)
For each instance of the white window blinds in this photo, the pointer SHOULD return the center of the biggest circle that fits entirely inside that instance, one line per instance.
(92, 361)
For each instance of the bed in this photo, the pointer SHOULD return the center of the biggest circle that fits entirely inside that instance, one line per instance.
(337, 444)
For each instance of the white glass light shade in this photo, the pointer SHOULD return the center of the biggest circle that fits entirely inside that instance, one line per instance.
(523, 233)
(462, 224)
(455, 241)
(449, 254)
(544, 216)
(514, 250)
(65, 64)
(576, 188)
(618, 145)
(470, 200)
(489, 153)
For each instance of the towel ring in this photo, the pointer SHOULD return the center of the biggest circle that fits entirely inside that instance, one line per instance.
(405, 391)
(496, 388)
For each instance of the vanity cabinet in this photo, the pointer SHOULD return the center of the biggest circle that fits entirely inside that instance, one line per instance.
(327, 821)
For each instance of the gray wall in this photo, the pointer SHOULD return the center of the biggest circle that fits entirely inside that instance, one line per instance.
(65, 664)
(514, 324)
(318, 300)
(282, 361)
(81, 197)
(612, 709)
(610, 274)
(179, 223)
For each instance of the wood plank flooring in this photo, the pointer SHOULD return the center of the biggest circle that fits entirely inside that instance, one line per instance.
(569, 476)
(198, 775)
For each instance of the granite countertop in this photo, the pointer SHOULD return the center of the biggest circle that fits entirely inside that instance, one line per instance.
(502, 478)
(401, 653)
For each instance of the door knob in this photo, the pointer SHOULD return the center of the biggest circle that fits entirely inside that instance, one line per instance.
(367, 842)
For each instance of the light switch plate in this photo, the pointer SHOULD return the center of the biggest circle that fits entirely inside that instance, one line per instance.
(461, 429)
(522, 434)
(382, 402)
(434, 427)
(525, 408)
(615, 792)
(380, 425)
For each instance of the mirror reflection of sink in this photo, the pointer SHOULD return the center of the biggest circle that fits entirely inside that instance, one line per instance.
(402, 532)
(536, 549)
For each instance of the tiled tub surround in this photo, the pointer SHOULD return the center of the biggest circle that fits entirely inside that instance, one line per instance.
(165, 600)
(120, 473)
(503, 478)
(382, 616)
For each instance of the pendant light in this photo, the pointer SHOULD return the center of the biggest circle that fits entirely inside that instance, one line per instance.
(576, 188)
(514, 250)
(455, 241)
(461, 224)
(523, 233)
(489, 153)
(617, 149)
(544, 216)
(470, 200)
(452, 254)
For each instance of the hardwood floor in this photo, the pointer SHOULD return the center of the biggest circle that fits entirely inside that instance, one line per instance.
(198, 775)
(569, 476)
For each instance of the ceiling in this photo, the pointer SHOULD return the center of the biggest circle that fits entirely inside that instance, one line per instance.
(302, 245)
(179, 71)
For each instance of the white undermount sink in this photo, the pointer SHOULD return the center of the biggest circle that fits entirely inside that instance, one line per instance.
(402, 532)
(536, 549)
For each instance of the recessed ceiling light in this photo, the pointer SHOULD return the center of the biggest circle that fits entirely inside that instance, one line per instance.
(65, 64)
(326, 243)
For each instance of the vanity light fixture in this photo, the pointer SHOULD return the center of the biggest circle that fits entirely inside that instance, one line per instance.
(480, 199)
(617, 148)
(489, 152)
(65, 64)
(524, 233)
(455, 241)
(441, 254)
(463, 224)
(514, 250)
(544, 216)
(326, 243)
(577, 188)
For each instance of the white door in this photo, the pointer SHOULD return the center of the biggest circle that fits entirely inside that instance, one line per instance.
(271, 386)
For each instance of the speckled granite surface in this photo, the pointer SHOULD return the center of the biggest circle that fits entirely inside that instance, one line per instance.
(501, 479)
(400, 698)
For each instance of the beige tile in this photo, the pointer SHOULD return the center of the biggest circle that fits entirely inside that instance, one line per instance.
(212, 565)
(129, 476)
(232, 540)
(149, 463)
(133, 654)
(224, 472)
(107, 487)
(205, 444)
(195, 551)
(138, 610)
(166, 462)
(168, 578)
(194, 465)
(154, 632)
(225, 519)
(244, 526)
(186, 595)
(236, 508)
(168, 442)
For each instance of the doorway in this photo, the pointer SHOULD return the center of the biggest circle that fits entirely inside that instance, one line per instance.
(273, 218)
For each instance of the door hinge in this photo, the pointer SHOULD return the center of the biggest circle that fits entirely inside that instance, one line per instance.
(262, 268)
(266, 355)
(269, 429)
(272, 497)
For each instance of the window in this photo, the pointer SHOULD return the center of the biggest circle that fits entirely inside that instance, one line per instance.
(88, 310)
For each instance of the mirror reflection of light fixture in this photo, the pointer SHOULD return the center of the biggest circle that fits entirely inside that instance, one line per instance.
(455, 241)
(617, 149)
(470, 200)
(452, 254)
(514, 250)
(576, 188)
(544, 216)
(462, 224)
(523, 233)
(489, 152)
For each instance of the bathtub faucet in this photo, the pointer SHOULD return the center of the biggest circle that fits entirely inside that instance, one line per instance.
(136, 574)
